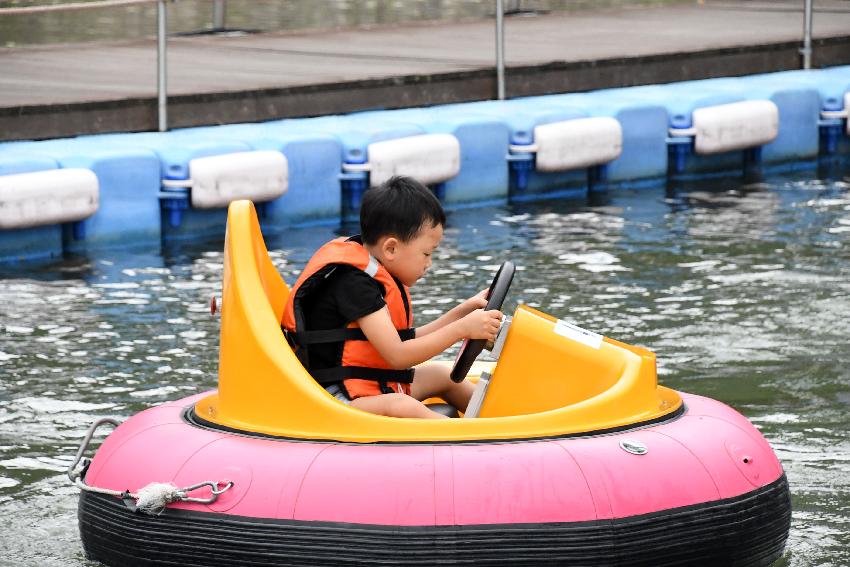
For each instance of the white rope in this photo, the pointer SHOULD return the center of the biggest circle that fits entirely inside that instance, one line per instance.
(109, 492)
(71, 7)
(154, 497)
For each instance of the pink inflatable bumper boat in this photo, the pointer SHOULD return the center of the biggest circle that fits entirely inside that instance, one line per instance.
(570, 453)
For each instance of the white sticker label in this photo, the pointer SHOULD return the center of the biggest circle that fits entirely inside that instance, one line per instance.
(578, 334)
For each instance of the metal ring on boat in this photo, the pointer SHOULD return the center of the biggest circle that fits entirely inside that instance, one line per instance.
(634, 447)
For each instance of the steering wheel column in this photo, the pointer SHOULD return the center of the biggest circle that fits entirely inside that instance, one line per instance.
(471, 348)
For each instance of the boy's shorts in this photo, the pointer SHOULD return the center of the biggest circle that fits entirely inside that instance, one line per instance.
(336, 391)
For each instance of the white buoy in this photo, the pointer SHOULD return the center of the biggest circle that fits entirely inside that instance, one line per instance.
(577, 144)
(217, 180)
(428, 158)
(735, 126)
(47, 197)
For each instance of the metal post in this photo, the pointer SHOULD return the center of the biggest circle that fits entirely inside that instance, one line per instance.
(500, 50)
(161, 66)
(807, 35)
(219, 10)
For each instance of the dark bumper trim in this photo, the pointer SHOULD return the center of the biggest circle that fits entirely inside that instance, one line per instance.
(748, 530)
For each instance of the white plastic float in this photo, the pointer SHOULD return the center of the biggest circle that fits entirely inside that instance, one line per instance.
(429, 158)
(733, 126)
(215, 181)
(575, 144)
(47, 197)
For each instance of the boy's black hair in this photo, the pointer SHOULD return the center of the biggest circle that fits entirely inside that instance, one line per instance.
(398, 207)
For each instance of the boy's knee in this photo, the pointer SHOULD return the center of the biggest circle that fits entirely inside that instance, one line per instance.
(400, 403)
(435, 378)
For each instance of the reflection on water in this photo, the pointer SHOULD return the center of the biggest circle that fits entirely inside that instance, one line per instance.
(743, 291)
(192, 16)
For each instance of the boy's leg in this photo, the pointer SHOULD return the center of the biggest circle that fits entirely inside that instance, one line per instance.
(395, 405)
(432, 380)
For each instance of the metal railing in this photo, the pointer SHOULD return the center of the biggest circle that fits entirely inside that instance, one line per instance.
(162, 65)
(219, 14)
(806, 51)
(500, 50)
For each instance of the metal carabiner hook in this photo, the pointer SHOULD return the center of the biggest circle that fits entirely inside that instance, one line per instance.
(227, 486)
(214, 491)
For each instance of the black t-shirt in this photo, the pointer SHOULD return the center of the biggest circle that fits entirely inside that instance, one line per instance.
(346, 295)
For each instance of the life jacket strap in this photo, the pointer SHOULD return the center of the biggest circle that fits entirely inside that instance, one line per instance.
(327, 376)
(305, 338)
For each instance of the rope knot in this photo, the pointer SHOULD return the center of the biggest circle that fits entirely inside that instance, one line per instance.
(153, 498)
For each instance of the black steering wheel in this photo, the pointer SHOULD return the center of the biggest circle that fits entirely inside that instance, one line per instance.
(471, 348)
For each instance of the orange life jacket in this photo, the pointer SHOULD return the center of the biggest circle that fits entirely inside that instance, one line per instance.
(362, 371)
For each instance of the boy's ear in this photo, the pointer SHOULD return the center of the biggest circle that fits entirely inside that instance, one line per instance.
(389, 245)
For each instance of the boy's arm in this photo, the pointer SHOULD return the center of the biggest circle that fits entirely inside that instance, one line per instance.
(478, 301)
(379, 329)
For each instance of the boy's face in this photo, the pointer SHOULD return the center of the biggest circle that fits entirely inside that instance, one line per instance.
(408, 261)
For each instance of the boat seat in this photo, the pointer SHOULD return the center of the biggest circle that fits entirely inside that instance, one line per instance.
(447, 410)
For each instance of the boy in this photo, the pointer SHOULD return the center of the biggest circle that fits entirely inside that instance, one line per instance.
(349, 317)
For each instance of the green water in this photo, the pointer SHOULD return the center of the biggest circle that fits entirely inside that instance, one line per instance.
(742, 291)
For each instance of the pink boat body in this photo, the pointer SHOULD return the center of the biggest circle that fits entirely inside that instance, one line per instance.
(708, 453)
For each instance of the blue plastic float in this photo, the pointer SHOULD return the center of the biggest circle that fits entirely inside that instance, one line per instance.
(643, 157)
(127, 211)
(355, 137)
(313, 157)
(515, 161)
(482, 140)
(27, 242)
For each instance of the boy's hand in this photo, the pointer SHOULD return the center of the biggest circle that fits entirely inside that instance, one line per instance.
(482, 324)
(477, 301)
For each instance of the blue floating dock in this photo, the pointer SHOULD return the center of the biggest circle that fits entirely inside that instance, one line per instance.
(145, 182)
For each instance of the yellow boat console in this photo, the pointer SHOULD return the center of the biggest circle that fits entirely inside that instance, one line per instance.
(551, 378)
